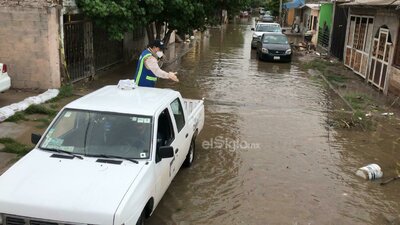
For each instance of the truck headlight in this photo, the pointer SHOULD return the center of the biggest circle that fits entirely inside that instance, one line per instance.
(264, 50)
(289, 51)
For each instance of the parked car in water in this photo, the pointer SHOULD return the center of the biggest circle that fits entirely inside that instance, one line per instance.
(244, 14)
(107, 158)
(261, 11)
(267, 19)
(274, 47)
(261, 28)
(5, 81)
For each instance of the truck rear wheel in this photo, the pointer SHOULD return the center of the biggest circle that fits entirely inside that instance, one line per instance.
(190, 156)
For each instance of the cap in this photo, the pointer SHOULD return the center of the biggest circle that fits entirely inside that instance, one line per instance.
(157, 43)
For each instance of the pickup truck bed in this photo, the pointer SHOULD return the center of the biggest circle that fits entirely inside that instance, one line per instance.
(195, 110)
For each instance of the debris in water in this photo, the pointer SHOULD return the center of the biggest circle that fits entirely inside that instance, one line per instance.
(387, 114)
(390, 180)
(370, 172)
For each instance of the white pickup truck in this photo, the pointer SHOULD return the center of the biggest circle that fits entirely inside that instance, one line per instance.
(107, 158)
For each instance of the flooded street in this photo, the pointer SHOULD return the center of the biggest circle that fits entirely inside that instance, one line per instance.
(266, 154)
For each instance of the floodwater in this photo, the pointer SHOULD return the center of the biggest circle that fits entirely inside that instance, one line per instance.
(267, 154)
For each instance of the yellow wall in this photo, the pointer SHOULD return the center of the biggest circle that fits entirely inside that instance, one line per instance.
(290, 17)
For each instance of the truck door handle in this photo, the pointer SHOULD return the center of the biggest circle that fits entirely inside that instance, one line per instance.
(186, 135)
(176, 150)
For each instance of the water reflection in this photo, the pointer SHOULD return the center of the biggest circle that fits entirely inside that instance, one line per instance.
(299, 170)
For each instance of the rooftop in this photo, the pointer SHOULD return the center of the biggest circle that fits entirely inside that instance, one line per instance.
(139, 101)
(373, 3)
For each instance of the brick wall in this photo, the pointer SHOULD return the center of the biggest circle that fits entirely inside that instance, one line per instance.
(29, 45)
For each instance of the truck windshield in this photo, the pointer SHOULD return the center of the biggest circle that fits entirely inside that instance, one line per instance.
(100, 133)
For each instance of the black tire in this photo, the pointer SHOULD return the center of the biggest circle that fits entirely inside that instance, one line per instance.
(190, 156)
(141, 218)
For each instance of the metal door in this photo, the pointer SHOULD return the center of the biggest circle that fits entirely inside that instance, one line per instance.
(358, 44)
(78, 47)
(339, 28)
(380, 59)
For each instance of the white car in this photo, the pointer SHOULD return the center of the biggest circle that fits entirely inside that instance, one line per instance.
(107, 158)
(5, 81)
(262, 28)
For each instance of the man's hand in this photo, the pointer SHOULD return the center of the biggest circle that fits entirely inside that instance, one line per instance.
(172, 76)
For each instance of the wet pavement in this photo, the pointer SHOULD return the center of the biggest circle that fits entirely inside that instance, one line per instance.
(267, 154)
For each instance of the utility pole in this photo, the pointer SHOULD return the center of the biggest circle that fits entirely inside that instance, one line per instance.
(280, 13)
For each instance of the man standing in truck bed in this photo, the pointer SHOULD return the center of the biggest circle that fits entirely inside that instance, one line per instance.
(148, 70)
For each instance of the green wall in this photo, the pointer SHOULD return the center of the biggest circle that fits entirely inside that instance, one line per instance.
(326, 15)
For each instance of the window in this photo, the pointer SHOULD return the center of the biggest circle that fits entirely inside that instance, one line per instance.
(177, 110)
(165, 132)
(100, 133)
(315, 23)
(396, 58)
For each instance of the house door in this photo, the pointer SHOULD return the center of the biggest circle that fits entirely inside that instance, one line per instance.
(380, 58)
(358, 44)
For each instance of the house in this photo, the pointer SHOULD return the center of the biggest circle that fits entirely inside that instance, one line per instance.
(372, 45)
(339, 27)
(310, 15)
(45, 43)
(325, 24)
(293, 11)
(29, 42)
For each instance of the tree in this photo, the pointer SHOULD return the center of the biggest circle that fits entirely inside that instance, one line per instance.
(120, 16)
(273, 6)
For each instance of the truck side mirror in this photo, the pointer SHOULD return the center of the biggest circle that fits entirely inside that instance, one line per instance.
(165, 152)
(35, 138)
(252, 29)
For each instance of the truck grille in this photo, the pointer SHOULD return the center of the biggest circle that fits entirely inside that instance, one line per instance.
(17, 220)
(277, 52)
(36, 222)
(14, 221)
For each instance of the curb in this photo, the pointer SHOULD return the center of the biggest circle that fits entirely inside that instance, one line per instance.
(167, 63)
(317, 72)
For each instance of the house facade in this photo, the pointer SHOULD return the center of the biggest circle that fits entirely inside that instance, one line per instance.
(310, 14)
(371, 46)
(339, 28)
(45, 43)
(325, 24)
(29, 42)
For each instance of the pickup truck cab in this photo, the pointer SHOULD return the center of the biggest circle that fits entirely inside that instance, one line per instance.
(107, 158)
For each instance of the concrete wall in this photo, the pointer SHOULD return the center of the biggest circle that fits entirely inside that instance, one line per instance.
(325, 15)
(394, 84)
(133, 47)
(29, 3)
(29, 44)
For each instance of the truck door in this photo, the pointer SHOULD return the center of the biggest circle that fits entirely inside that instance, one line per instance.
(165, 168)
(182, 132)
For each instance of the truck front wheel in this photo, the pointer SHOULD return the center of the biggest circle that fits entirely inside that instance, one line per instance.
(190, 156)
(141, 218)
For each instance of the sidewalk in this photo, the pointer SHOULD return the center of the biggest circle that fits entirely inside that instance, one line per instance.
(364, 106)
(22, 130)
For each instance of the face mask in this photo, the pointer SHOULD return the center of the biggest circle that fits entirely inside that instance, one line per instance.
(160, 54)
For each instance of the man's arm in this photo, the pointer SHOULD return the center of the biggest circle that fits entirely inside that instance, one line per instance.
(152, 64)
